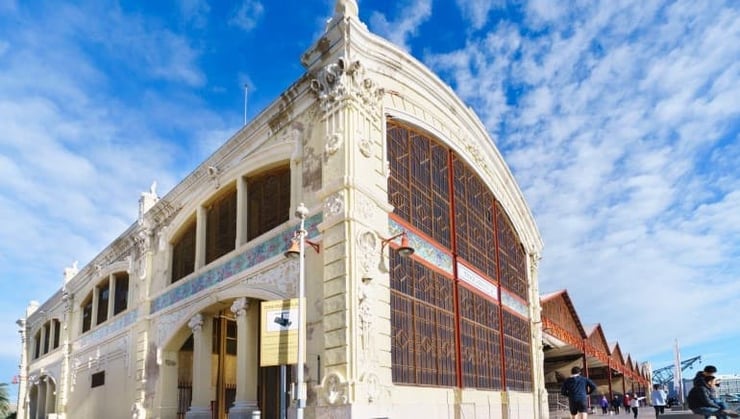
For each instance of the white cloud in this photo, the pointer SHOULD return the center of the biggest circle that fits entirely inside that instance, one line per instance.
(411, 16)
(609, 116)
(83, 134)
(195, 12)
(247, 15)
(477, 10)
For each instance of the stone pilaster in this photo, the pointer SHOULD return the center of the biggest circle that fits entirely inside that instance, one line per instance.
(246, 360)
(541, 407)
(200, 406)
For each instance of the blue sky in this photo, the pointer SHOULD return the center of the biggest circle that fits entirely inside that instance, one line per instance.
(619, 119)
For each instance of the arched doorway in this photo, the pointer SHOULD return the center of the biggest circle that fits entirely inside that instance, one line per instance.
(42, 399)
(215, 331)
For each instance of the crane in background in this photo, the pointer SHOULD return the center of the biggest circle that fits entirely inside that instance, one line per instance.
(664, 375)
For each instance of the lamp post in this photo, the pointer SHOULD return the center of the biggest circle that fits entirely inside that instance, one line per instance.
(301, 212)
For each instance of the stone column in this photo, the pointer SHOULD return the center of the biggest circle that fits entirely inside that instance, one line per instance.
(42, 340)
(41, 399)
(52, 334)
(200, 406)
(200, 238)
(111, 295)
(246, 360)
(50, 399)
(22, 382)
(241, 211)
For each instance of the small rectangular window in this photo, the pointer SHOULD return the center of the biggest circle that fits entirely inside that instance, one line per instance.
(98, 379)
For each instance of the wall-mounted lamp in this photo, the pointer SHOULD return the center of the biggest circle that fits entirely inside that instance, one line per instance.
(405, 249)
(295, 247)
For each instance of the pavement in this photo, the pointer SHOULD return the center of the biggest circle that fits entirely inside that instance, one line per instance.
(649, 412)
(643, 412)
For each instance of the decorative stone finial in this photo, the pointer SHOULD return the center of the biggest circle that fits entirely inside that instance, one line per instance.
(346, 8)
(70, 272)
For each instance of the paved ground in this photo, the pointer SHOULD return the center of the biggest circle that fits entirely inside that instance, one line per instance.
(644, 412)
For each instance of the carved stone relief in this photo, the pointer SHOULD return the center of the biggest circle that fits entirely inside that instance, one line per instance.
(365, 312)
(283, 278)
(373, 388)
(365, 145)
(333, 144)
(367, 243)
(365, 207)
(240, 306)
(345, 79)
(334, 389)
(166, 325)
(334, 205)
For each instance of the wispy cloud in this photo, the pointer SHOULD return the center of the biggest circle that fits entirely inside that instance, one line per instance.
(247, 15)
(410, 17)
(84, 132)
(477, 11)
(610, 116)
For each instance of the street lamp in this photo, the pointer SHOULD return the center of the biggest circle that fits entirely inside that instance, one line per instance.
(405, 249)
(299, 241)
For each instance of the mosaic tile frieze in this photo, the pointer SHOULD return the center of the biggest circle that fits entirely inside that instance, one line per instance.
(239, 263)
(110, 327)
(514, 303)
(423, 248)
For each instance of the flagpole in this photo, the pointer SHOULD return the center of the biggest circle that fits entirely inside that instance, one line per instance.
(246, 91)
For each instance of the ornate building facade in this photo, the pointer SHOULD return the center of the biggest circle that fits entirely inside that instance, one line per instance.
(166, 321)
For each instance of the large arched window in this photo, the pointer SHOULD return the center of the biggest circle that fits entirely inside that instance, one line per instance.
(46, 338)
(108, 298)
(463, 219)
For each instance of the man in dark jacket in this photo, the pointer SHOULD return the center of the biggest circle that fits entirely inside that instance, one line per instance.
(702, 402)
(708, 370)
(577, 389)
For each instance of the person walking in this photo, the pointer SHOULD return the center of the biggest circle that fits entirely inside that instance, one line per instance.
(577, 388)
(615, 404)
(604, 405)
(626, 402)
(658, 399)
(635, 404)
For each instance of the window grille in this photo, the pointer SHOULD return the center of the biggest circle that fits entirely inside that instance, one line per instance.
(511, 256)
(518, 355)
(268, 197)
(423, 324)
(474, 234)
(103, 297)
(87, 313)
(480, 341)
(221, 226)
(121, 298)
(183, 253)
(418, 186)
